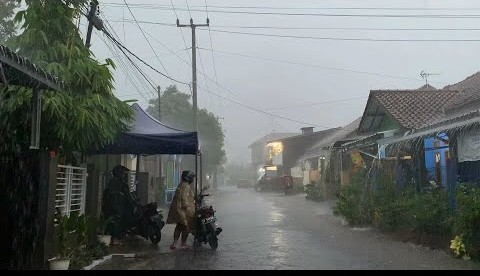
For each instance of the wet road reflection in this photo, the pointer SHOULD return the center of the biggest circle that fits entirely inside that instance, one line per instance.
(274, 231)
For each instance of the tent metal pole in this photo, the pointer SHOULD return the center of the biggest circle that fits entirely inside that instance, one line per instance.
(137, 167)
(196, 195)
(201, 172)
(196, 176)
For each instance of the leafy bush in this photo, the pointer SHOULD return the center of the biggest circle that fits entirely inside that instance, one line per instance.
(91, 252)
(393, 212)
(353, 203)
(432, 215)
(314, 191)
(77, 239)
(467, 218)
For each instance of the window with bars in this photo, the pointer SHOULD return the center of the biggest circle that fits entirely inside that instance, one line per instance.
(71, 189)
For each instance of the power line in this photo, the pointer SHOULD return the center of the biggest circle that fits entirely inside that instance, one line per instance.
(252, 108)
(208, 91)
(145, 22)
(181, 32)
(121, 62)
(346, 28)
(144, 62)
(429, 16)
(313, 65)
(211, 47)
(125, 67)
(138, 69)
(315, 103)
(288, 62)
(189, 64)
(227, 99)
(186, 1)
(317, 8)
(264, 112)
(203, 69)
(125, 1)
(310, 28)
(346, 39)
(125, 70)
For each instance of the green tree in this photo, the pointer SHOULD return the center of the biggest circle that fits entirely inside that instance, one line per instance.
(236, 171)
(7, 25)
(177, 112)
(86, 115)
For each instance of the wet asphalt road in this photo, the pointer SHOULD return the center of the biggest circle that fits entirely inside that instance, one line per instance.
(274, 231)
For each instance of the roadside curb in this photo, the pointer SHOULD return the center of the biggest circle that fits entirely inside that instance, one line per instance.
(107, 258)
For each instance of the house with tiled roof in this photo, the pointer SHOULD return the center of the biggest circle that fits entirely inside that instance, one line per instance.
(394, 113)
(404, 110)
(452, 137)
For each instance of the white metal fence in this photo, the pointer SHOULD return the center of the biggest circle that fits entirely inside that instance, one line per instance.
(71, 189)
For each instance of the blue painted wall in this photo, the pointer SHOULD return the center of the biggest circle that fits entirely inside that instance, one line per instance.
(430, 154)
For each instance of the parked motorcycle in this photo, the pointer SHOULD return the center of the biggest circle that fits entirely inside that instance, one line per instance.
(206, 227)
(147, 221)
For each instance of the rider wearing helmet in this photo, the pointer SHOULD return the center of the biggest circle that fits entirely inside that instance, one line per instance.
(115, 204)
(182, 209)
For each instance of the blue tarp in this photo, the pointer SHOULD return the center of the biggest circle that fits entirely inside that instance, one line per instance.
(149, 136)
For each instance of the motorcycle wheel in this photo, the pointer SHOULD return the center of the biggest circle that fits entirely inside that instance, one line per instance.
(197, 243)
(155, 235)
(212, 240)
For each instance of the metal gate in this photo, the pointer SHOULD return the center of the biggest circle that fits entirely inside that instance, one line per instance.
(172, 180)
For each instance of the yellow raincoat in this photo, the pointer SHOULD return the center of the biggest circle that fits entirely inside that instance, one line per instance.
(182, 209)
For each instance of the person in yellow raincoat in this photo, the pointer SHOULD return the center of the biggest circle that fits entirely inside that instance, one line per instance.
(182, 210)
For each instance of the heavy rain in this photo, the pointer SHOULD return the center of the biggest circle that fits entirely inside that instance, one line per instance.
(239, 135)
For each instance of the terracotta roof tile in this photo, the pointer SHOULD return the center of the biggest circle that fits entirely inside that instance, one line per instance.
(470, 92)
(414, 108)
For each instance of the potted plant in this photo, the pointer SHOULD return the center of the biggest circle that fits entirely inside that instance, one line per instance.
(67, 242)
(103, 237)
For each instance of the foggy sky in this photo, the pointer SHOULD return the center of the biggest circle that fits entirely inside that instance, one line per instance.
(265, 84)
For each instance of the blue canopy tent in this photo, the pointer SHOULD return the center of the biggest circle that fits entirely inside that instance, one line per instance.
(149, 136)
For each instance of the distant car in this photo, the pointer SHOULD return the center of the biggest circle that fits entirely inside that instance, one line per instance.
(243, 183)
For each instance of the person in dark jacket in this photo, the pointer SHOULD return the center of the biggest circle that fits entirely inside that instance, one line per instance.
(116, 203)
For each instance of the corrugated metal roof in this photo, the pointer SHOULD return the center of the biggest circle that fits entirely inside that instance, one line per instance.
(32, 75)
(318, 148)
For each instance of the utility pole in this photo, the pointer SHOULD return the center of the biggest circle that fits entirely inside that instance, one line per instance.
(194, 68)
(159, 109)
(93, 20)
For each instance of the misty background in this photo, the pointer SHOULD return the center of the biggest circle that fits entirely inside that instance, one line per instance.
(301, 76)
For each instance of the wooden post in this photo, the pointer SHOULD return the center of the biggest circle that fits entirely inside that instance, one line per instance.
(420, 160)
(91, 202)
(49, 233)
(452, 175)
(43, 173)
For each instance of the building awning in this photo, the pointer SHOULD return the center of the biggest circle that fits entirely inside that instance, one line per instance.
(18, 70)
(364, 141)
(448, 125)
